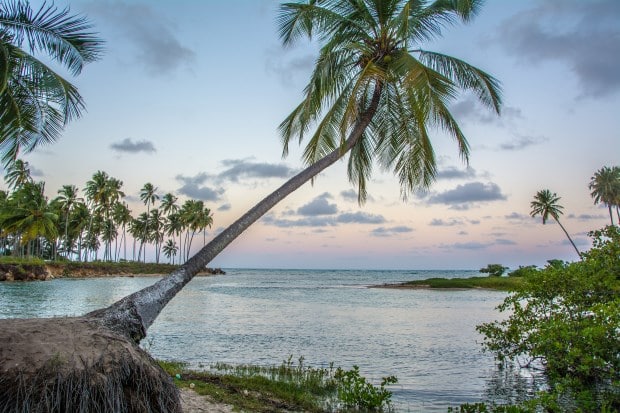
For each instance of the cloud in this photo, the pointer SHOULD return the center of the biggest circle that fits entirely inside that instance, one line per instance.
(470, 109)
(388, 232)
(237, 169)
(193, 187)
(473, 245)
(588, 217)
(128, 146)
(463, 195)
(323, 220)
(349, 195)
(452, 172)
(288, 67)
(583, 35)
(517, 216)
(360, 218)
(153, 37)
(522, 142)
(224, 207)
(318, 206)
(438, 222)
(503, 241)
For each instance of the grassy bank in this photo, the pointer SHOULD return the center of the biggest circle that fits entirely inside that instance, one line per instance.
(493, 283)
(285, 388)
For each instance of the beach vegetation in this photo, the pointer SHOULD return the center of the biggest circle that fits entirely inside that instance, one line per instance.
(494, 270)
(492, 283)
(565, 320)
(523, 271)
(289, 386)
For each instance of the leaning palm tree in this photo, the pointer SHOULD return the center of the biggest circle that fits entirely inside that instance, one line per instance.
(375, 94)
(605, 187)
(35, 101)
(546, 205)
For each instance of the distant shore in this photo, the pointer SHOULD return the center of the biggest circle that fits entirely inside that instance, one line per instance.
(43, 271)
(486, 283)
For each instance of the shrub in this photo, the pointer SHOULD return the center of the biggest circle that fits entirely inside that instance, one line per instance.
(567, 318)
(355, 392)
(494, 270)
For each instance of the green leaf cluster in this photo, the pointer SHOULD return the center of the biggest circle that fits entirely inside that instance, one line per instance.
(494, 270)
(354, 391)
(566, 319)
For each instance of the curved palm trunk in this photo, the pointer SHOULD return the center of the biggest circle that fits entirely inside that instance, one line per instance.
(568, 236)
(134, 314)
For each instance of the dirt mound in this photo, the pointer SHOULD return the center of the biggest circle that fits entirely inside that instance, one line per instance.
(75, 365)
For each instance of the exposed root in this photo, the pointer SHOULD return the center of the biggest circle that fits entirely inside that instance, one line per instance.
(76, 365)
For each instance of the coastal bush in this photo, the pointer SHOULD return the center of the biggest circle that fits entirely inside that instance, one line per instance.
(494, 270)
(354, 391)
(565, 319)
(523, 271)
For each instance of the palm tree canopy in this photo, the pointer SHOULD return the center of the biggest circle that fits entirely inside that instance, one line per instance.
(545, 204)
(605, 187)
(35, 101)
(370, 52)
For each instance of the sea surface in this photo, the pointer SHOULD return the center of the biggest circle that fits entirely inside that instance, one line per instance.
(426, 338)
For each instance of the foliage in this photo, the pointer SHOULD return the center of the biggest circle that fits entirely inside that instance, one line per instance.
(494, 283)
(36, 102)
(605, 187)
(523, 271)
(567, 320)
(355, 392)
(494, 270)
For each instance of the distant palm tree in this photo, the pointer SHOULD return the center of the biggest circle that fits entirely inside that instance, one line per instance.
(174, 227)
(605, 187)
(68, 197)
(545, 204)
(148, 196)
(170, 250)
(374, 94)
(122, 216)
(156, 225)
(28, 214)
(17, 174)
(35, 101)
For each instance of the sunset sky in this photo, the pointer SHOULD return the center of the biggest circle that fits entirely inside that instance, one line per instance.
(189, 94)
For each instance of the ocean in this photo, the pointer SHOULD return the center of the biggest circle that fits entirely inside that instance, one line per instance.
(426, 338)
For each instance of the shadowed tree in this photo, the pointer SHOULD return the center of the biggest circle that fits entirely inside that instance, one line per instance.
(546, 205)
(605, 187)
(35, 101)
(374, 94)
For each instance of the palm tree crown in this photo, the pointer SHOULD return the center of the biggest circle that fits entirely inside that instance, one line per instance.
(546, 205)
(371, 65)
(605, 187)
(35, 101)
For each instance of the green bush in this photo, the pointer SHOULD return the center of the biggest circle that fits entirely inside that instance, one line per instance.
(355, 392)
(494, 270)
(566, 318)
(523, 271)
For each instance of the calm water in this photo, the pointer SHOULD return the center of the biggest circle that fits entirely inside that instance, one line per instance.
(425, 338)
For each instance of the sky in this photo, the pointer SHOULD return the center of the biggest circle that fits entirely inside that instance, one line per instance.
(189, 94)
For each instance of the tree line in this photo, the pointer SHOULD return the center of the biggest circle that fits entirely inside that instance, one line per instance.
(70, 227)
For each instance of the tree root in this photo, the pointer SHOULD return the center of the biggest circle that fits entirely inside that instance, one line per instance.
(76, 365)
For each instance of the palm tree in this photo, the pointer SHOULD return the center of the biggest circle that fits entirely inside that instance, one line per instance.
(35, 101)
(68, 197)
(28, 214)
(121, 214)
(545, 204)
(17, 174)
(148, 196)
(174, 227)
(170, 250)
(605, 187)
(156, 220)
(374, 93)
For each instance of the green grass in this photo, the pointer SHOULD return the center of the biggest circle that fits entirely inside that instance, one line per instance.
(288, 387)
(493, 283)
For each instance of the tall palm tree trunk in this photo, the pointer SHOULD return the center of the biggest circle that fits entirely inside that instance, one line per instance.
(134, 314)
(568, 236)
